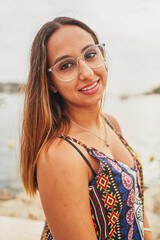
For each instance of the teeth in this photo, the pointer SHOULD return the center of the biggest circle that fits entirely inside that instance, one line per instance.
(88, 88)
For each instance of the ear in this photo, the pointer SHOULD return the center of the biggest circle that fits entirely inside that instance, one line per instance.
(53, 89)
(51, 86)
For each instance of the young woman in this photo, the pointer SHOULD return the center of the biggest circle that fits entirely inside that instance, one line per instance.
(89, 179)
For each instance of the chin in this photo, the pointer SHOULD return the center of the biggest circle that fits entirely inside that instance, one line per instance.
(94, 101)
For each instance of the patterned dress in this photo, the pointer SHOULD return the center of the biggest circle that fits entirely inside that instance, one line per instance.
(116, 196)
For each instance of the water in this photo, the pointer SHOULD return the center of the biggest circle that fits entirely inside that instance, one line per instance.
(9, 141)
(139, 118)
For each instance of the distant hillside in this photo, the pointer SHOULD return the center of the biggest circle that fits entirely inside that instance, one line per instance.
(154, 91)
(10, 87)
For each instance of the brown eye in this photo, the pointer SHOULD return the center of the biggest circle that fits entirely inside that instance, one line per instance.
(65, 65)
(90, 55)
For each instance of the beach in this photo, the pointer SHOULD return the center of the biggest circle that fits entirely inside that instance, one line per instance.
(20, 229)
(21, 218)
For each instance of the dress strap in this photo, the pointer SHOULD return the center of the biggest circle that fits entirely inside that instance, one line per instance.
(117, 132)
(111, 125)
(85, 159)
(132, 152)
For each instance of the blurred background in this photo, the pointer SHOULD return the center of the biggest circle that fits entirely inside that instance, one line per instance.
(131, 31)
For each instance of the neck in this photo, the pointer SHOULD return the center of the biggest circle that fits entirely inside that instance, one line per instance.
(87, 117)
(87, 120)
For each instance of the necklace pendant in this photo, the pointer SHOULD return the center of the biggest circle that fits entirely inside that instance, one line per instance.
(107, 144)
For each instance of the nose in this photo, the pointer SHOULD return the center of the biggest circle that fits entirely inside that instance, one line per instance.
(85, 72)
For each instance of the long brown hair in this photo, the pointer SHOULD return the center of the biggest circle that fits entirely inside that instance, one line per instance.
(43, 114)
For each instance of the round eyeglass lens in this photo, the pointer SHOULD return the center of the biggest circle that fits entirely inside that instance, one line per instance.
(66, 69)
(94, 57)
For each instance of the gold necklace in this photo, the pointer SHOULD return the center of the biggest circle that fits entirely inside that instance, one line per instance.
(91, 131)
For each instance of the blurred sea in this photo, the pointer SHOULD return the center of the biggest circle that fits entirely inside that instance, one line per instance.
(139, 118)
(9, 141)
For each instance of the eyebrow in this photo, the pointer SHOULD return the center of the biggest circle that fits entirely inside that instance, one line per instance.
(66, 56)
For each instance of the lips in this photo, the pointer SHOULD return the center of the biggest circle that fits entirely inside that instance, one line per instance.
(89, 86)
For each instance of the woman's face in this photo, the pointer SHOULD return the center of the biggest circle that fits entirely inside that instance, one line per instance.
(70, 41)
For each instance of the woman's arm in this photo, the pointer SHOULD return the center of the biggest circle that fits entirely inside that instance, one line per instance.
(147, 234)
(63, 185)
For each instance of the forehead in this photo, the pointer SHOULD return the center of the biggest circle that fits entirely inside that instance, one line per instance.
(68, 39)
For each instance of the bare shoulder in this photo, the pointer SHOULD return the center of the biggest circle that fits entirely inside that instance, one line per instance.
(114, 122)
(60, 159)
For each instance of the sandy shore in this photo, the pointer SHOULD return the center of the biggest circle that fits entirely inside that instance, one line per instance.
(20, 229)
(22, 207)
(22, 218)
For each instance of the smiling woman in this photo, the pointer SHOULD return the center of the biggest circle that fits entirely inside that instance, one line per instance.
(89, 179)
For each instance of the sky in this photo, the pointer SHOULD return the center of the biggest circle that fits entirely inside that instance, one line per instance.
(129, 28)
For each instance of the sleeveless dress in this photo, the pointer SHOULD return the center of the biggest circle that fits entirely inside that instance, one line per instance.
(116, 195)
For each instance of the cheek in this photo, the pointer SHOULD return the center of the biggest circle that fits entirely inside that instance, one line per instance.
(64, 88)
(104, 75)
(58, 84)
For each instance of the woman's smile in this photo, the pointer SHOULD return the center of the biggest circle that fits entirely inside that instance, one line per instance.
(90, 88)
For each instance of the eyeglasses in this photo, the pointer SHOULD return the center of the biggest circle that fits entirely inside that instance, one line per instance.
(67, 69)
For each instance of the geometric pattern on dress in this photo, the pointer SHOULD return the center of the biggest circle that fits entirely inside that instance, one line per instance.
(109, 205)
(94, 222)
(139, 213)
(110, 200)
(113, 218)
(99, 214)
(127, 193)
(127, 181)
(102, 182)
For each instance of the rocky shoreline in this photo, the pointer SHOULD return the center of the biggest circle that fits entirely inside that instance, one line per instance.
(28, 210)
(11, 87)
(21, 218)
(22, 206)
